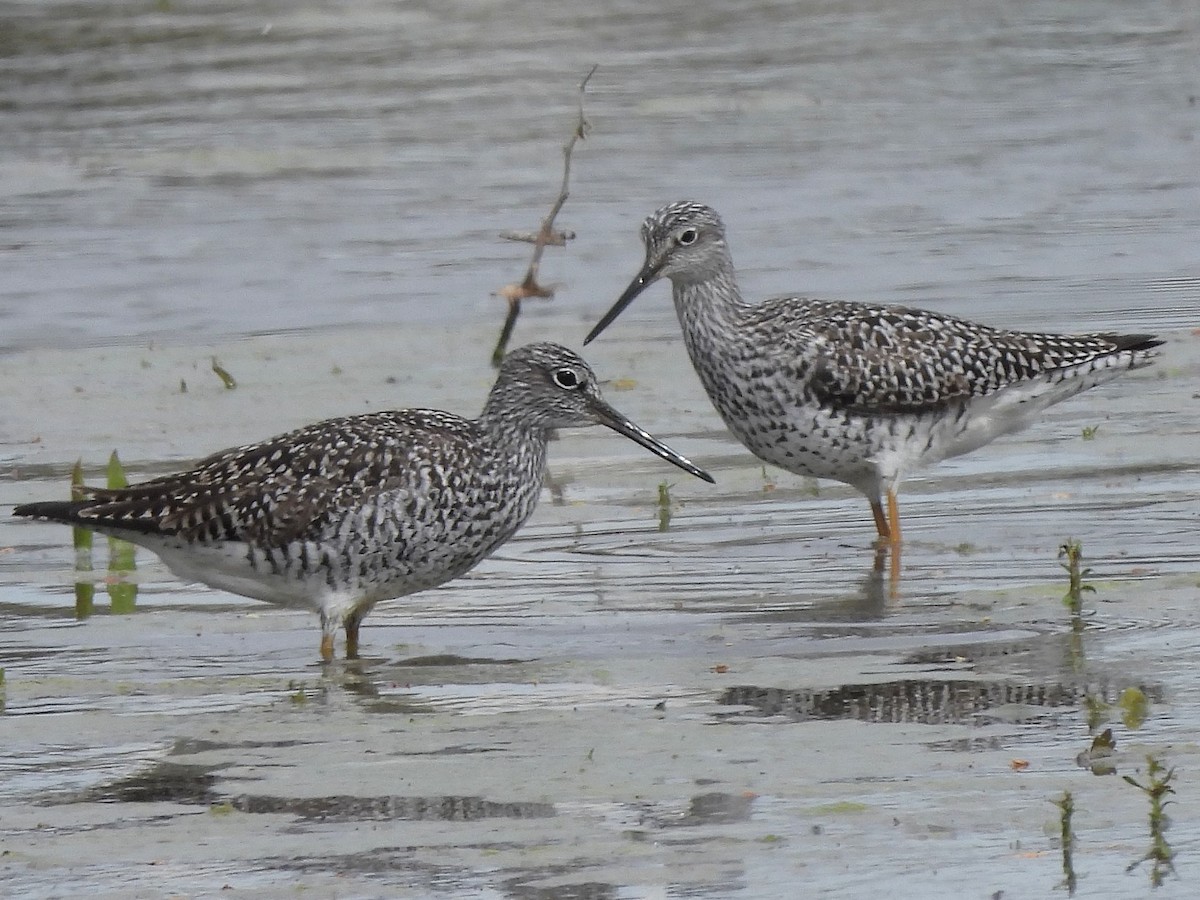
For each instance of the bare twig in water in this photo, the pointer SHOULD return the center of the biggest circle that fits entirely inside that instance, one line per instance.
(558, 239)
(545, 237)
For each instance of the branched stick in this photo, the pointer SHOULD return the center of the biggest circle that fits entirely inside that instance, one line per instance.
(545, 236)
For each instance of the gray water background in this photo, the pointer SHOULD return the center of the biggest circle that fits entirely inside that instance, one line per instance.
(192, 170)
(603, 710)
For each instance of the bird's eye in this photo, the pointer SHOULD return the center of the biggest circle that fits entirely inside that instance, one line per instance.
(566, 378)
(688, 236)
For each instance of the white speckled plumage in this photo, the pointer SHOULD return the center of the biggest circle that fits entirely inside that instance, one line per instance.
(855, 392)
(340, 515)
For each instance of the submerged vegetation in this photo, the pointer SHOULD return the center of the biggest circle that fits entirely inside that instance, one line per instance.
(122, 559)
(1066, 807)
(122, 593)
(1072, 552)
(664, 506)
(226, 379)
(1157, 790)
(1134, 706)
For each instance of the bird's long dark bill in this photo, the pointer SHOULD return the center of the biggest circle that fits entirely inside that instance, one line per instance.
(618, 423)
(644, 279)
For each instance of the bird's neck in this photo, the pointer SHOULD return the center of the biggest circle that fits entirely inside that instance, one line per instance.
(504, 417)
(516, 444)
(709, 310)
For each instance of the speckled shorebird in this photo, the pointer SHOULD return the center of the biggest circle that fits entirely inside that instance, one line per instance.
(857, 393)
(345, 513)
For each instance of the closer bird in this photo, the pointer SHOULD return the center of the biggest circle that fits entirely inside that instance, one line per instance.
(340, 515)
(857, 393)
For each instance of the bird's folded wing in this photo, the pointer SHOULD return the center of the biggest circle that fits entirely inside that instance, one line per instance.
(283, 489)
(875, 359)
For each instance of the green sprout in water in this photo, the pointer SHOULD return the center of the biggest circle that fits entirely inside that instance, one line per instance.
(1089, 432)
(1157, 789)
(1132, 703)
(1135, 707)
(226, 379)
(1072, 551)
(1066, 806)
(114, 474)
(664, 506)
(122, 593)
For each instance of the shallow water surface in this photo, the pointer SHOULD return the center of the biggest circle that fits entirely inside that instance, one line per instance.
(736, 706)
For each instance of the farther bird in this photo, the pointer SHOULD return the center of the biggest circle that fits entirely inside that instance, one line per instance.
(857, 393)
(340, 515)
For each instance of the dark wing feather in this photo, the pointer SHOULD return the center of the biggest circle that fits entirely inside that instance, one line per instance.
(896, 360)
(282, 489)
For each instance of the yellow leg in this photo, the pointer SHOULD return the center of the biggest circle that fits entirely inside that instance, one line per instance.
(893, 518)
(894, 571)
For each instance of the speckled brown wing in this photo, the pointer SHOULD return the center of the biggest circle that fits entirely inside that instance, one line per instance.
(293, 486)
(874, 359)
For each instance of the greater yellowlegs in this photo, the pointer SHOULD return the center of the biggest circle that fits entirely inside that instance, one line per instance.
(857, 393)
(340, 515)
